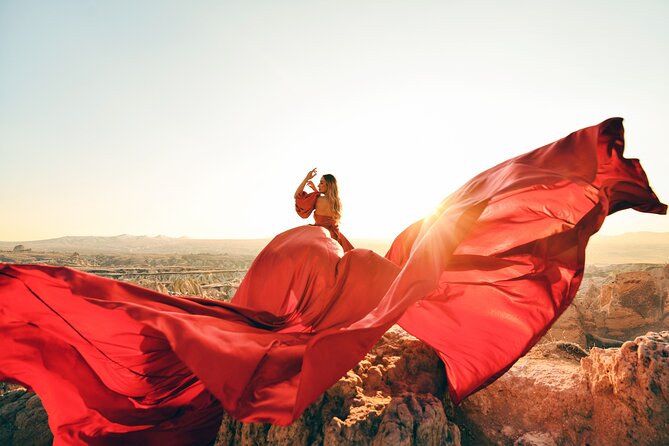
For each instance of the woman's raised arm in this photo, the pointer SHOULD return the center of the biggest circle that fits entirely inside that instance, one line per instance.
(309, 176)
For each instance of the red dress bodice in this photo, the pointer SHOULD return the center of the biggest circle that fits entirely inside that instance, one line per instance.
(305, 204)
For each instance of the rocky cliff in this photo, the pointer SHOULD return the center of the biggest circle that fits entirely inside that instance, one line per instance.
(555, 396)
(615, 305)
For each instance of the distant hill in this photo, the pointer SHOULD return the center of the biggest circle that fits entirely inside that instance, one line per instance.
(636, 247)
(140, 244)
(632, 247)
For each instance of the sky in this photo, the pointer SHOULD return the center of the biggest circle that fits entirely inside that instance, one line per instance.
(200, 118)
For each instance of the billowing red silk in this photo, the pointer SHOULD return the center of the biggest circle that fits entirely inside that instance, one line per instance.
(480, 280)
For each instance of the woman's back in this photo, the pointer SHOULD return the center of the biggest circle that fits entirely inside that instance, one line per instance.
(324, 207)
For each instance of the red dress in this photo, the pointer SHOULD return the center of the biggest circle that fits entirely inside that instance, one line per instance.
(481, 281)
(305, 204)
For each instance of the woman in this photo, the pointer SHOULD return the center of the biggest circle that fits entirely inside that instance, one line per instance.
(324, 202)
(308, 269)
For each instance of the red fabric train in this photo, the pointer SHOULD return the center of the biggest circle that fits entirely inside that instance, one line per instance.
(480, 280)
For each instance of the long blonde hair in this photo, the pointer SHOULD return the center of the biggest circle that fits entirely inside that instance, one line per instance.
(332, 195)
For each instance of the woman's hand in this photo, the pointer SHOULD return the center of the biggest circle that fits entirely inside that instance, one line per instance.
(312, 186)
(307, 179)
(312, 173)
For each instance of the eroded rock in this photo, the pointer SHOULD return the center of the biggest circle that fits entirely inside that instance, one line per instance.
(23, 420)
(392, 397)
(620, 306)
(416, 419)
(630, 385)
(612, 396)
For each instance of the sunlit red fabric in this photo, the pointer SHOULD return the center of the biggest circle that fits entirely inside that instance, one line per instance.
(481, 279)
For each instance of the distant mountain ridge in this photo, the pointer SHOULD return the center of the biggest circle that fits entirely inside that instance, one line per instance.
(160, 244)
(633, 247)
(634, 237)
(126, 243)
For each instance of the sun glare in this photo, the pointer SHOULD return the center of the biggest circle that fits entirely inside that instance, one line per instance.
(204, 126)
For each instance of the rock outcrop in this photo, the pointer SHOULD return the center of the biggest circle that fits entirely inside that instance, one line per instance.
(392, 397)
(630, 386)
(23, 420)
(613, 396)
(619, 306)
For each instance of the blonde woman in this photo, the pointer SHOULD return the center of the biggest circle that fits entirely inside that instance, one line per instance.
(324, 202)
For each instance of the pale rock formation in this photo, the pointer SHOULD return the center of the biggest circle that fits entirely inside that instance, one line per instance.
(535, 439)
(623, 306)
(632, 300)
(416, 419)
(615, 396)
(569, 327)
(536, 395)
(187, 287)
(630, 385)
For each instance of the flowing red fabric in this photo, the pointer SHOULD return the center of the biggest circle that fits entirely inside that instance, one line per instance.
(480, 280)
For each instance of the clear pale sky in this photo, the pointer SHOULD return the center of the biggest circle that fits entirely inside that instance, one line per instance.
(200, 118)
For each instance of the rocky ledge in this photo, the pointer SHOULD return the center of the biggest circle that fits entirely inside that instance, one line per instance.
(554, 396)
(614, 305)
(558, 394)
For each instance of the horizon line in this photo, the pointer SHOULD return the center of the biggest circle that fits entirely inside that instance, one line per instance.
(265, 237)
